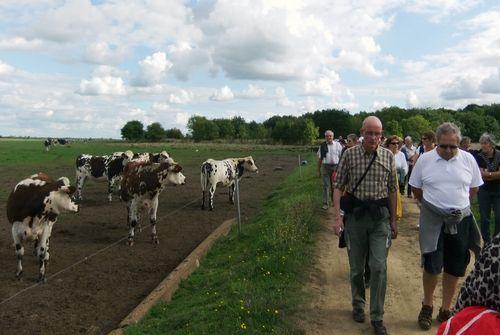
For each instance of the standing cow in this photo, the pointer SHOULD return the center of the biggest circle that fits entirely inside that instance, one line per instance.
(225, 172)
(141, 185)
(101, 168)
(32, 209)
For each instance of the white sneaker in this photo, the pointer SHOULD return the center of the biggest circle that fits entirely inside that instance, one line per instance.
(325, 207)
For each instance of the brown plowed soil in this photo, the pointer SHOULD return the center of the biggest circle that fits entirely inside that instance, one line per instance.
(91, 296)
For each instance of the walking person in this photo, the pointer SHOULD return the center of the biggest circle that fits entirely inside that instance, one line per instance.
(367, 173)
(328, 159)
(443, 180)
(488, 160)
(409, 150)
(392, 143)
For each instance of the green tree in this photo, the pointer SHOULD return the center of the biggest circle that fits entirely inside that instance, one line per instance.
(133, 131)
(415, 126)
(393, 127)
(226, 128)
(155, 132)
(174, 133)
(240, 127)
(202, 129)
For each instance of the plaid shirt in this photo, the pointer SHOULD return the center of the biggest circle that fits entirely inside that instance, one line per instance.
(378, 182)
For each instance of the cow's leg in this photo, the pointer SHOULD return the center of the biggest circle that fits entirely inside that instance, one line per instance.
(133, 218)
(19, 250)
(35, 247)
(152, 219)
(231, 193)
(203, 192)
(43, 250)
(110, 189)
(212, 192)
(80, 180)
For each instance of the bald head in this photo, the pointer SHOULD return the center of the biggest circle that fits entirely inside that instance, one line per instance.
(372, 121)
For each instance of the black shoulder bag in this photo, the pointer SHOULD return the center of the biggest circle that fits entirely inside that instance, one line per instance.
(347, 202)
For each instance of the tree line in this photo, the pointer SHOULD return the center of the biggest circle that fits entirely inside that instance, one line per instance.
(473, 120)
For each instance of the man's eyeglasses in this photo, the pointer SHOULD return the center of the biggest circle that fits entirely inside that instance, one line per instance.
(424, 138)
(448, 146)
(372, 134)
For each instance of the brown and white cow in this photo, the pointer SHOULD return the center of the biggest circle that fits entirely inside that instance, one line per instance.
(141, 185)
(224, 172)
(32, 209)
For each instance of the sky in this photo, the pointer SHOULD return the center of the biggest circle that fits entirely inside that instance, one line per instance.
(83, 68)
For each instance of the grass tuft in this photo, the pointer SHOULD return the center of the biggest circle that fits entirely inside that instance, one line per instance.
(249, 284)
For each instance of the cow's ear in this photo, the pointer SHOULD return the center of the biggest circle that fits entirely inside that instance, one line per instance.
(177, 168)
(68, 189)
(241, 160)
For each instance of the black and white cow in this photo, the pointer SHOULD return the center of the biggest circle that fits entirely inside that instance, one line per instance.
(48, 143)
(32, 209)
(100, 168)
(225, 172)
(140, 187)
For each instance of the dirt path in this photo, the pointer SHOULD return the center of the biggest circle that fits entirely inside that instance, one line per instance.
(329, 311)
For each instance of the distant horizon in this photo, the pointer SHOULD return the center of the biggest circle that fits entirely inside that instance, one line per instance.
(84, 68)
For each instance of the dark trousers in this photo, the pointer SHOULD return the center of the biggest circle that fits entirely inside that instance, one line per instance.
(408, 189)
(488, 201)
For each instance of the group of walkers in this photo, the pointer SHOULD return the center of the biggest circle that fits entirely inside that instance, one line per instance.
(368, 177)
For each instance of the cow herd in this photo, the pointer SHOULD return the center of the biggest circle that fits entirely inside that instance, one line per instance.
(35, 202)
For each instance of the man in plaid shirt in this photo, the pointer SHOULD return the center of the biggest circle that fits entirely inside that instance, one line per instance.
(371, 223)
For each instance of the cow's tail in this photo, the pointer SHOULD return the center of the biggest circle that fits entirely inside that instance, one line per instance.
(204, 176)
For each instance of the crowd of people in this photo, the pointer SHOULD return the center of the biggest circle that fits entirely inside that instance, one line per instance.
(364, 179)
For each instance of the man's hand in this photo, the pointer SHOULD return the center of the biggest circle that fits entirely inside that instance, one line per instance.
(394, 229)
(338, 225)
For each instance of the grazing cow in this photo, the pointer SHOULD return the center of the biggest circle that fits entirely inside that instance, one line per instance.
(32, 209)
(141, 185)
(101, 168)
(224, 172)
(147, 157)
(48, 143)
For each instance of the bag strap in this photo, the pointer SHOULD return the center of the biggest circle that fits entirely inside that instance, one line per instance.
(364, 174)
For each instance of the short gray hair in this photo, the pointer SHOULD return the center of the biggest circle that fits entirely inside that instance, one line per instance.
(408, 138)
(465, 139)
(448, 128)
(488, 138)
(352, 137)
(329, 132)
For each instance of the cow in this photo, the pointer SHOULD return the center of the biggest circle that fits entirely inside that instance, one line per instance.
(32, 208)
(62, 141)
(48, 143)
(146, 157)
(140, 187)
(225, 172)
(101, 168)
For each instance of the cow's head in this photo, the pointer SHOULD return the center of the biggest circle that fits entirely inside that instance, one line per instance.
(127, 156)
(163, 157)
(173, 172)
(247, 164)
(61, 199)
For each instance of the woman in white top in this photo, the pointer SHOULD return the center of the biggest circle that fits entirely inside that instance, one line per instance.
(393, 144)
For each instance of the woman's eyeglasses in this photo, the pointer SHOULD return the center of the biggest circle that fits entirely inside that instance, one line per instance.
(394, 143)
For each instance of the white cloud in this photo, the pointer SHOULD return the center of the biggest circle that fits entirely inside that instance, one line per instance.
(224, 94)
(181, 97)
(438, 9)
(252, 92)
(491, 84)
(324, 85)
(282, 99)
(102, 86)
(378, 105)
(102, 53)
(152, 69)
(461, 88)
(5, 68)
(412, 100)
(182, 118)
(19, 43)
